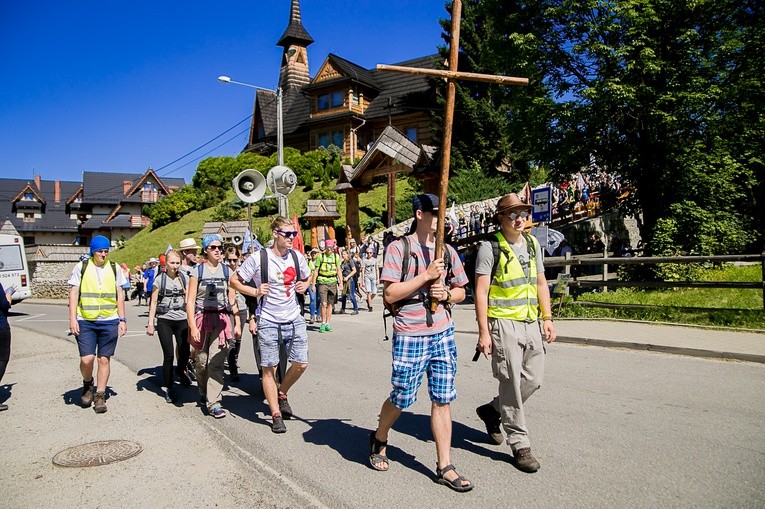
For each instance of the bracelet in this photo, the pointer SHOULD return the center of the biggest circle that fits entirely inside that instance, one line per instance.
(448, 296)
(123, 320)
(546, 317)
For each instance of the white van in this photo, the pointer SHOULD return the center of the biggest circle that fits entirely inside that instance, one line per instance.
(14, 270)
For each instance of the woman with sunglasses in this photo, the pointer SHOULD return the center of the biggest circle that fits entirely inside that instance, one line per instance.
(233, 257)
(210, 303)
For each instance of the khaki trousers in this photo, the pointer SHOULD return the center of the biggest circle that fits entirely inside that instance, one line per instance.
(209, 367)
(518, 362)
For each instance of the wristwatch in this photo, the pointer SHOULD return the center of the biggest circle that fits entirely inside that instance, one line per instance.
(123, 320)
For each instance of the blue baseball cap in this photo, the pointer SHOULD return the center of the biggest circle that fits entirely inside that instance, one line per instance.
(98, 243)
(425, 203)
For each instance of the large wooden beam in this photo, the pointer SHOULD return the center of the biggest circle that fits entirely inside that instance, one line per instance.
(456, 75)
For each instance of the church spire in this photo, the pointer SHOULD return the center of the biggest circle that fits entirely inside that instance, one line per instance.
(295, 33)
(295, 41)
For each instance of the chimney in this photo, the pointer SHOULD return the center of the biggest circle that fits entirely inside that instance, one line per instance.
(126, 185)
(57, 191)
(37, 181)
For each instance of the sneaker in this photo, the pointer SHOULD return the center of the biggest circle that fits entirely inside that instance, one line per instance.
(327, 328)
(277, 426)
(492, 419)
(218, 412)
(3, 407)
(524, 461)
(99, 405)
(310, 321)
(284, 406)
(370, 309)
(169, 396)
(341, 312)
(355, 313)
(86, 398)
(323, 327)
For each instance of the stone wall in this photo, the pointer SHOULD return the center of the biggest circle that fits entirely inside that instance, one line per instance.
(50, 267)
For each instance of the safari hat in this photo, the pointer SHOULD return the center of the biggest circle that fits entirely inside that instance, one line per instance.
(188, 244)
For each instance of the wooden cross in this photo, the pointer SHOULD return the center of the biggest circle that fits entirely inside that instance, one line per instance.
(451, 76)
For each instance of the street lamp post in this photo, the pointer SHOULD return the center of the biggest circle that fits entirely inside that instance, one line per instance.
(283, 203)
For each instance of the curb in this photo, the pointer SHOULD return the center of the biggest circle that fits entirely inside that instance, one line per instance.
(691, 352)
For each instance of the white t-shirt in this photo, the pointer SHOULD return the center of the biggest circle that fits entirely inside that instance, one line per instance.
(75, 277)
(280, 305)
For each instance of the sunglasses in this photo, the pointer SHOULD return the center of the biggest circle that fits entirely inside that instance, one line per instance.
(515, 215)
(287, 235)
(233, 260)
(216, 247)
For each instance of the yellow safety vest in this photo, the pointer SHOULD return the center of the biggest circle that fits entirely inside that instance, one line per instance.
(511, 295)
(97, 301)
(328, 263)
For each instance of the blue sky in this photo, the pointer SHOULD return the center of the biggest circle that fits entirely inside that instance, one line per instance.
(124, 86)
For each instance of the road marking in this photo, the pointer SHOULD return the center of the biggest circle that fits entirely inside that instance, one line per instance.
(32, 317)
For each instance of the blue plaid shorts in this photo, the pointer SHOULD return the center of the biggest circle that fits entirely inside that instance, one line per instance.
(435, 355)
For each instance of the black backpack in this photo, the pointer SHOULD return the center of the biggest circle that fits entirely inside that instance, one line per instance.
(264, 274)
(392, 309)
(470, 261)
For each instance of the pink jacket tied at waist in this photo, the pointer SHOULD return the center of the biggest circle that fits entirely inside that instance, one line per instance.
(211, 323)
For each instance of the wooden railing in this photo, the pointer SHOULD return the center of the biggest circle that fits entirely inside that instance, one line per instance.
(605, 280)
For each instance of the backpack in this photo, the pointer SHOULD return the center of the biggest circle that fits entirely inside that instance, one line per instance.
(226, 277)
(164, 308)
(264, 274)
(392, 308)
(470, 262)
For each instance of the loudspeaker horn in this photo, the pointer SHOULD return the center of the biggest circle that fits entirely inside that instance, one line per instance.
(237, 240)
(249, 185)
(281, 180)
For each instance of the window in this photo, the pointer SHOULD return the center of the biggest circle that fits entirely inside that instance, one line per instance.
(29, 196)
(322, 102)
(331, 137)
(29, 217)
(411, 133)
(338, 98)
(337, 138)
(355, 99)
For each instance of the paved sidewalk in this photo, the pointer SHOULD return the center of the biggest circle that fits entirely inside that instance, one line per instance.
(675, 339)
(44, 418)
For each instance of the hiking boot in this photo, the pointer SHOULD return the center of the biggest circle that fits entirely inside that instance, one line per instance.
(355, 313)
(284, 406)
(86, 399)
(492, 419)
(99, 405)
(524, 461)
(277, 426)
(341, 312)
(311, 320)
(370, 309)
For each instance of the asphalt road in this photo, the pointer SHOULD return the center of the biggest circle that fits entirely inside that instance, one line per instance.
(611, 428)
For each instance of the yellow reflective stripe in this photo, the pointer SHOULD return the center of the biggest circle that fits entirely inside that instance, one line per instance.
(103, 295)
(512, 302)
(519, 281)
(96, 307)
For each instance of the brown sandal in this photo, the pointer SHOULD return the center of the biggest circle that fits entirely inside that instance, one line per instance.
(456, 484)
(375, 458)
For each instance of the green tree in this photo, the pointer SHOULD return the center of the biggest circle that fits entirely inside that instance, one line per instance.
(666, 93)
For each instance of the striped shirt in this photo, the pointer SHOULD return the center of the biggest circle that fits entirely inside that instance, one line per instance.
(411, 319)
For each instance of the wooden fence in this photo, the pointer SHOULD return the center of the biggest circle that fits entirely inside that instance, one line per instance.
(605, 281)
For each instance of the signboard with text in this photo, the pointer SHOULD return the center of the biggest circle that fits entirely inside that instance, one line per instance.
(541, 199)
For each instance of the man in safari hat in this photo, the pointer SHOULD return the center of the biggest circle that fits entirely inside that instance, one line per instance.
(512, 307)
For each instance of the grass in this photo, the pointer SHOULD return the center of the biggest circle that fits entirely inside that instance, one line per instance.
(150, 243)
(726, 307)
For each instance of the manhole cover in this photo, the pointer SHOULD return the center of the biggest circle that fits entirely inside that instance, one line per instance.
(97, 453)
